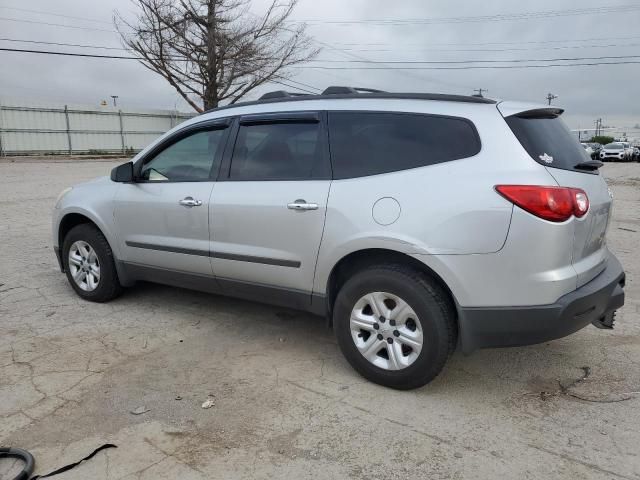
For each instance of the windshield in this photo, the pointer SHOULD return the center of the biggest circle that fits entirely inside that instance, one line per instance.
(548, 141)
(613, 146)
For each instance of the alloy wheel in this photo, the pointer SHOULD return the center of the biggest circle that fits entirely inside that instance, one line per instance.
(386, 330)
(84, 266)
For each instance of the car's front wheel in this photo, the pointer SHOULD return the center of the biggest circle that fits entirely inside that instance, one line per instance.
(395, 326)
(89, 264)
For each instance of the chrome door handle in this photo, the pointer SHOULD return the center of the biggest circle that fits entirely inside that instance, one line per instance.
(190, 202)
(302, 205)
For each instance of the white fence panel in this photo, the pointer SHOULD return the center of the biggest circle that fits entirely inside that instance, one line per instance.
(27, 128)
(92, 121)
(137, 141)
(49, 142)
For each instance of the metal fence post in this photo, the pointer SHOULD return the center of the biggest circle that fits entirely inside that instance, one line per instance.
(121, 131)
(1, 147)
(66, 119)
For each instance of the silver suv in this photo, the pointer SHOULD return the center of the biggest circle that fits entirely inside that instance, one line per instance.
(413, 222)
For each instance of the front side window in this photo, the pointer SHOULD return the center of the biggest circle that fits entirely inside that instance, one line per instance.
(278, 151)
(370, 143)
(190, 159)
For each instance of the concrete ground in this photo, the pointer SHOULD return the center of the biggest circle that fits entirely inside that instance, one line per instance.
(285, 402)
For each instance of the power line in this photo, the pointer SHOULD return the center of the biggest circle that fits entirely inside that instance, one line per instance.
(56, 25)
(436, 62)
(44, 52)
(482, 18)
(468, 67)
(77, 45)
(40, 12)
(429, 49)
(294, 87)
(63, 44)
(413, 74)
(475, 67)
(595, 39)
(344, 53)
(299, 83)
(117, 57)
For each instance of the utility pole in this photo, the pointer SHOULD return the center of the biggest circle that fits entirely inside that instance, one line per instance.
(598, 127)
(479, 92)
(115, 98)
(551, 96)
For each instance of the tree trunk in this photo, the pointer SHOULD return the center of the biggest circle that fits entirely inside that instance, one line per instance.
(211, 88)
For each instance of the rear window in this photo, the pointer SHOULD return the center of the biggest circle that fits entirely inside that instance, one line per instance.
(549, 141)
(370, 143)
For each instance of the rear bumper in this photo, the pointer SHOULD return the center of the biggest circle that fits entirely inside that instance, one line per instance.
(594, 302)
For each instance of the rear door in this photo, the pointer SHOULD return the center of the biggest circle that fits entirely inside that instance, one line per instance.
(549, 142)
(268, 207)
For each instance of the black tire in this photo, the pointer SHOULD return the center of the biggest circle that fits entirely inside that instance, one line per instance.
(108, 286)
(430, 303)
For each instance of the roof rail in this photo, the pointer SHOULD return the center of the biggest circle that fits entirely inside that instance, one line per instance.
(336, 93)
(334, 90)
(280, 94)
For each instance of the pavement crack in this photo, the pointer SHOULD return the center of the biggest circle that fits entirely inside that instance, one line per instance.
(571, 459)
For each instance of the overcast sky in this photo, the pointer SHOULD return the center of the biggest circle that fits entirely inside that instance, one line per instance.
(611, 92)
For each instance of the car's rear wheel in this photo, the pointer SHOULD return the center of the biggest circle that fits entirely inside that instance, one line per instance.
(89, 264)
(395, 326)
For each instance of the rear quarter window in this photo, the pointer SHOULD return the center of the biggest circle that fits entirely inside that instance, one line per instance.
(370, 143)
(548, 140)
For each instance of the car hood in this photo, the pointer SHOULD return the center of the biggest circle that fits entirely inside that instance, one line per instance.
(94, 182)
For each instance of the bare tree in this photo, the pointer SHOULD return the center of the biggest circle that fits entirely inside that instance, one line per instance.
(214, 51)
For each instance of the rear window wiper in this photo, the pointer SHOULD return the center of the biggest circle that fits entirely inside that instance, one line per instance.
(589, 165)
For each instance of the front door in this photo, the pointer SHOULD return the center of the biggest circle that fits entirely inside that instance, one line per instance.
(163, 218)
(268, 208)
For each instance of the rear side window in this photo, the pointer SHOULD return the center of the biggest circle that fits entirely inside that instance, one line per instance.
(278, 151)
(370, 143)
(548, 141)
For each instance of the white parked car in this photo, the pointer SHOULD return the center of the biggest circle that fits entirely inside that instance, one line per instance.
(628, 150)
(588, 149)
(615, 152)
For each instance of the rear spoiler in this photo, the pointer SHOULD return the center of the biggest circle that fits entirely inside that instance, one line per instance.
(528, 110)
(540, 113)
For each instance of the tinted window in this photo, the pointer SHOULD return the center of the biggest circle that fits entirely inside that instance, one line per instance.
(189, 159)
(548, 141)
(278, 151)
(368, 143)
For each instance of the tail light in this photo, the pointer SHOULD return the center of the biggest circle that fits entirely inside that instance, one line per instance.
(556, 204)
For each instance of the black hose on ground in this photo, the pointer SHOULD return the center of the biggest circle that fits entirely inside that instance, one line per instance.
(30, 463)
(26, 457)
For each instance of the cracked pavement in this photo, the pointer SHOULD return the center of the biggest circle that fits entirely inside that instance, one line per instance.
(286, 403)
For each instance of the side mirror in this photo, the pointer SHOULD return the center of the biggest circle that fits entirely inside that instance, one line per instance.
(123, 173)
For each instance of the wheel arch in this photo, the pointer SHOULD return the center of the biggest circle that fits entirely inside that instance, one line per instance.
(74, 218)
(71, 220)
(364, 258)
